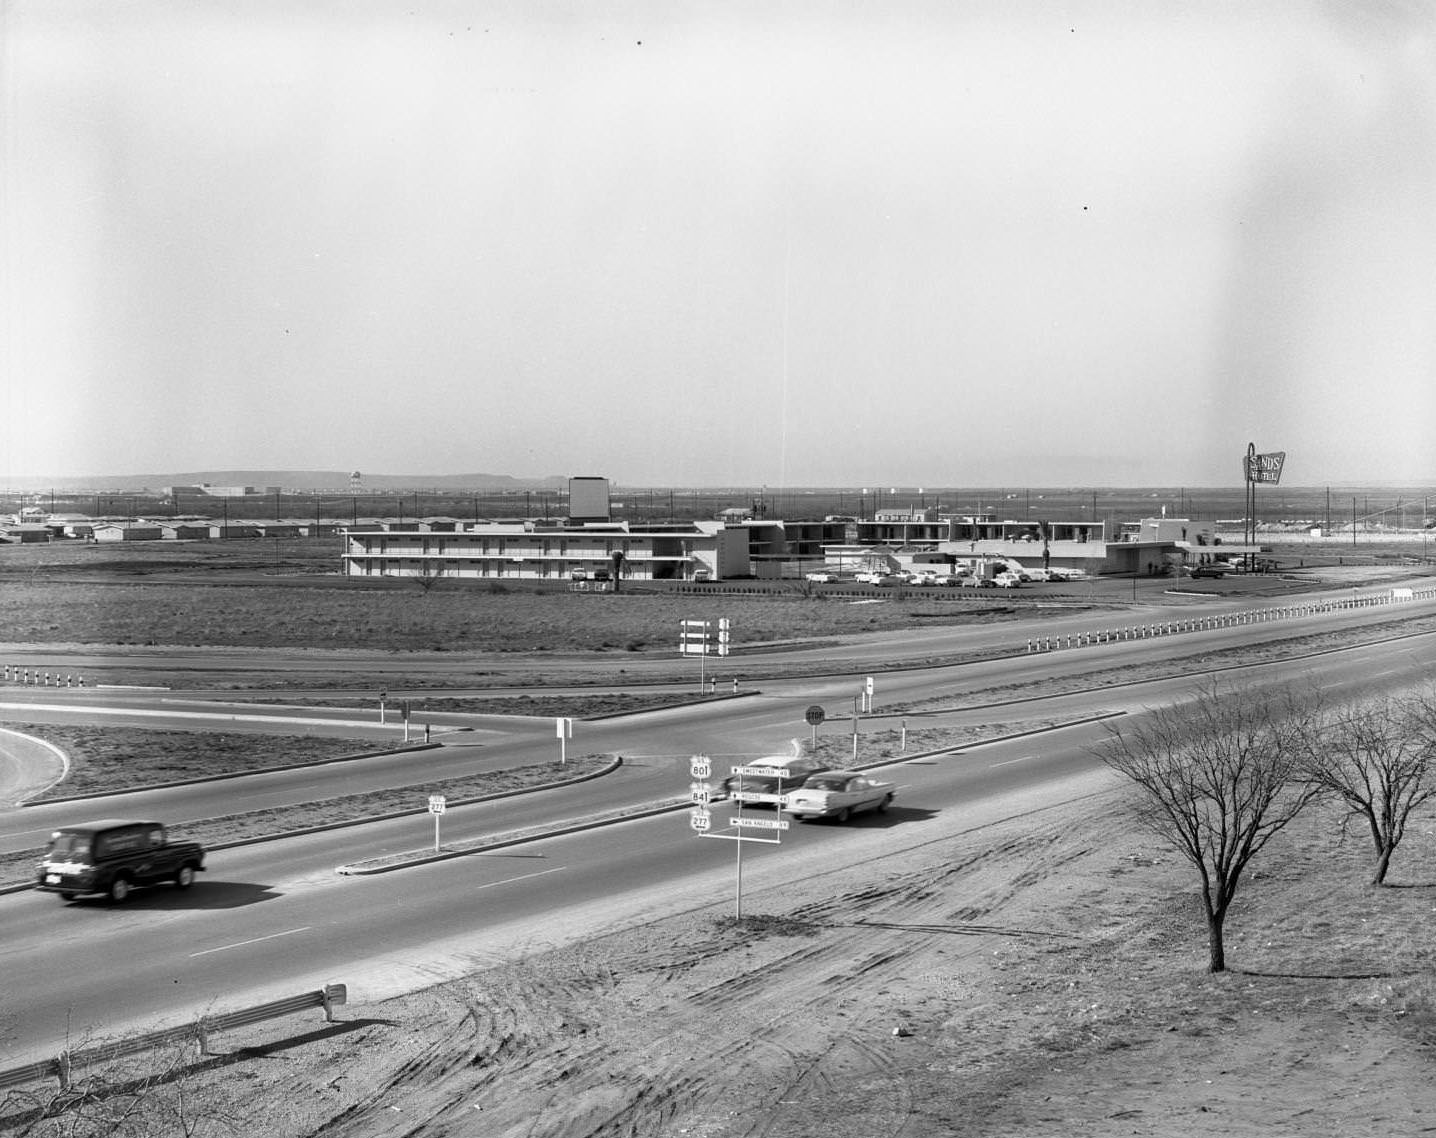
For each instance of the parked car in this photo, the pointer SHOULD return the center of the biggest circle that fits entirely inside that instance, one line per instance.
(889, 580)
(947, 580)
(1209, 571)
(798, 772)
(701, 576)
(112, 856)
(840, 795)
(925, 579)
(972, 582)
(869, 576)
(822, 577)
(1007, 581)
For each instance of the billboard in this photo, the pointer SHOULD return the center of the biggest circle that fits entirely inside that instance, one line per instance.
(1262, 467)
(588, 500)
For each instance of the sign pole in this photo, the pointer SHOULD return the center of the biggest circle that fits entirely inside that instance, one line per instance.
(436, 808)
(738, 881)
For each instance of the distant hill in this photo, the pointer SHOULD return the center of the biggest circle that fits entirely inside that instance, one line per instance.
(332, 481)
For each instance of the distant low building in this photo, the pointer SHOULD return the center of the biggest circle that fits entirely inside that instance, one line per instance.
(128, 531)
(185, 531)
(521, 550)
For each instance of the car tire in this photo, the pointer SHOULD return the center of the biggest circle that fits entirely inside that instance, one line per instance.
(885, 803)
(184, 877)
(119, 890)
(844, 814)
(67, 896)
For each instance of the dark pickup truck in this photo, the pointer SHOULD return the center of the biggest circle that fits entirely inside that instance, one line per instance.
(112, 856)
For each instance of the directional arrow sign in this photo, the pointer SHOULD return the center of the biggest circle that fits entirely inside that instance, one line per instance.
(756, 796)
(781, 772)
(759, 823)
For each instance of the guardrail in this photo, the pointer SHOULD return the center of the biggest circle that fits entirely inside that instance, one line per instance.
(1040, 644)
(328, 997)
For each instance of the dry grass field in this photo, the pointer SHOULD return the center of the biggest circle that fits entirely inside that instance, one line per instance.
(213, 594)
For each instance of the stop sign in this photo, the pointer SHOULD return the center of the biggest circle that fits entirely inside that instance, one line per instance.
(815, 715)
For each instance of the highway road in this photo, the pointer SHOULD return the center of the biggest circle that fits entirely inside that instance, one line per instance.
(274, 918)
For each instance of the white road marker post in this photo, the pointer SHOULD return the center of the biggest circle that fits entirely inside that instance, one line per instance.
(436, 808)
(565, 733)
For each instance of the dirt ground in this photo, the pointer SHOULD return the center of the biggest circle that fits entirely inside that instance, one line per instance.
(1041, 973)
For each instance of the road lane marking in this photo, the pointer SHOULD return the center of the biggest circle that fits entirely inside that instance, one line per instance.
(256, 940)
(1009, 762)
(521, 877)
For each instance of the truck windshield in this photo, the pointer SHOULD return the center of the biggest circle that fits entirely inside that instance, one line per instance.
(73, 847)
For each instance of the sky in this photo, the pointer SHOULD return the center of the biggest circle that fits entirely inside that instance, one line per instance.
(683, 243)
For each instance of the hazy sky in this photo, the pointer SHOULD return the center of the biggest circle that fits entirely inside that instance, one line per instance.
(681, 243)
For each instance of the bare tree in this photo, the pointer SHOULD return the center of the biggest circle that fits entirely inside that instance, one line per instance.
(159, 1094)
(429, 574)
(1219, 776)
(1378, 758)
(617, 558)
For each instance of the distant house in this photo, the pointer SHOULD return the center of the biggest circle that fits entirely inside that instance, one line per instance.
(279, 529)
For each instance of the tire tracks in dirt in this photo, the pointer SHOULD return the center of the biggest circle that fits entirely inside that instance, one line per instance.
(820, 1020)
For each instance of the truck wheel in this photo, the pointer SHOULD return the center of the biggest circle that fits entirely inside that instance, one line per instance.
(67, 896)
(184, 877)
(119, 890)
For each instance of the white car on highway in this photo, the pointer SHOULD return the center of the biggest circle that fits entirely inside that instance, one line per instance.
(839, 794)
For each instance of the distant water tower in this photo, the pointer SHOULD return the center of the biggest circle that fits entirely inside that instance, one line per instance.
(356, 481)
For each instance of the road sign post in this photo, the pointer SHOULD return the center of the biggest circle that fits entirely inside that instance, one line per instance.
(815, 716)
(700, 638)
(564, 730)
(700, 816)
(436, 808)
